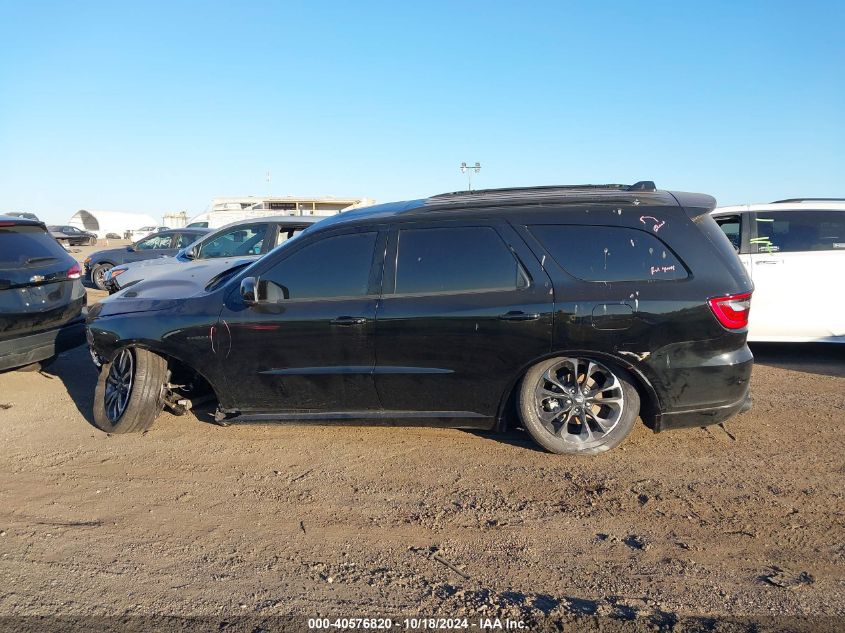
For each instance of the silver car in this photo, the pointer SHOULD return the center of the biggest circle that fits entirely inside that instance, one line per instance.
(242, 241)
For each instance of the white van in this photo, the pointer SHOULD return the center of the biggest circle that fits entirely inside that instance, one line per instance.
(794, 251)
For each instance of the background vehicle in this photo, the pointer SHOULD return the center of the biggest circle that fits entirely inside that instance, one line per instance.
(572, 306)
(41, 296)
(157, 245)
(145, 231)
(790, 245)
(245, 240)
(72, 236)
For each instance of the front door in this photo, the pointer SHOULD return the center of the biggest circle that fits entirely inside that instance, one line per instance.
(465, 306)
(307, 345)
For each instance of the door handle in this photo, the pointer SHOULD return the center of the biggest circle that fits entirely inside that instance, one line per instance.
(519, 315)
(346, 321)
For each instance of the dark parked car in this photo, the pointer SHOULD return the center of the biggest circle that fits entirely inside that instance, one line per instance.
(163, 244)
(577, 308)
(41, 295)
(72, 236)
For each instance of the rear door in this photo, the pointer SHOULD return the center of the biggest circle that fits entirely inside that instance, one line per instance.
(39, 281)
(465, 306)
(796, 259)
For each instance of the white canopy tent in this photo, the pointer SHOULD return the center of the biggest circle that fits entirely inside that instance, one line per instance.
(103, 222)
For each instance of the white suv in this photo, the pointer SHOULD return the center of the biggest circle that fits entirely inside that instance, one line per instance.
(794, 251)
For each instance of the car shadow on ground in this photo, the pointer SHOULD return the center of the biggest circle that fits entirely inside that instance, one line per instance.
(512, 437)
(77, 372)
(827, 359)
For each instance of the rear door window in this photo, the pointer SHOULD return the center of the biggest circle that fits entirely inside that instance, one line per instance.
(609, 253)
(799, 231)
(455, 259)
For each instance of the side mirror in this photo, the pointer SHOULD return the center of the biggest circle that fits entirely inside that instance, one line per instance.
(192, 253)
(248, 291)
(131, 248)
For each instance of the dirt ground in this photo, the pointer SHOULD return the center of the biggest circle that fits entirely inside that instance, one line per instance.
(195, 520)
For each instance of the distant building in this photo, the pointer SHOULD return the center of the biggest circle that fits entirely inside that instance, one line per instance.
(175, 220)
(225, 210)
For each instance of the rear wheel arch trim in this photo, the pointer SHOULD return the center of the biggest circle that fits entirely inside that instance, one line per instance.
(648, 395)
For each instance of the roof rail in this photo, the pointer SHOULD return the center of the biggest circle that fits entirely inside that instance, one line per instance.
(544, 190)
(809, 200)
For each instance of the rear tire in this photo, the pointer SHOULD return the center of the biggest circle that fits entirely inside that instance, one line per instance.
(128, 397)
(577, 406)
(98, 275)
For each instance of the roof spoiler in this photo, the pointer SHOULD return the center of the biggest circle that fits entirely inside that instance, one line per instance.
(643, 185)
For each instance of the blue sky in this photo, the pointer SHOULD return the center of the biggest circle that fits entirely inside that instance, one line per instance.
(159, 106)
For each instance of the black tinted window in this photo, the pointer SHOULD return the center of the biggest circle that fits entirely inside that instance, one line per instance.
(609, 253)
(794, 231)
(20, 245)
(458, 259)
(336, 266)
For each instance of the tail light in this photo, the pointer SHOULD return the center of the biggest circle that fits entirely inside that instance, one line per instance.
(74, 272)
(732, 310)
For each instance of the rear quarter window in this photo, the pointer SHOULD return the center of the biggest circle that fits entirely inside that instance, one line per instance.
(609, 253)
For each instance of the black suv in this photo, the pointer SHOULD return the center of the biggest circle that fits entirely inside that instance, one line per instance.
(41, 295)
(577, 308)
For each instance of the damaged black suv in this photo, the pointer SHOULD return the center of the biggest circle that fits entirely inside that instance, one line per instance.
(569, 310)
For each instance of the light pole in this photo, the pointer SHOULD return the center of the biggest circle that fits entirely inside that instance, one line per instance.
(468, 171)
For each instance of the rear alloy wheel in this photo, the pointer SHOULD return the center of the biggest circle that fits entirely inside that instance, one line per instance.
(577, 405)
(98, 275)
(128, 397)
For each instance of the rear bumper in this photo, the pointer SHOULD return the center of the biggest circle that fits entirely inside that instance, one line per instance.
(702, 417)
(700, 387)
(24, 350)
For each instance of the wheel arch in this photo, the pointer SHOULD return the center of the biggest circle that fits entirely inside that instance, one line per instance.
(649, 400)
(173, 361)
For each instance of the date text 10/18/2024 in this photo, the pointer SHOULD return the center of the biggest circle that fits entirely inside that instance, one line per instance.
(416, 624)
